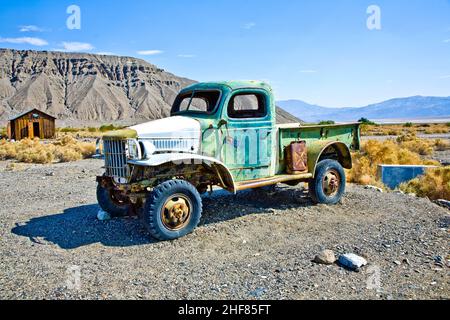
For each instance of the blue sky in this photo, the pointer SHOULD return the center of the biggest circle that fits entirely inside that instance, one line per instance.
(319, 51)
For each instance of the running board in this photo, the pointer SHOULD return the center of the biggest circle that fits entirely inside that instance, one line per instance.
(258, 183)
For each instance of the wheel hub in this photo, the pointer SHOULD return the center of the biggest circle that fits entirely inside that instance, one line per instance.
(176, 212)
(331, 183)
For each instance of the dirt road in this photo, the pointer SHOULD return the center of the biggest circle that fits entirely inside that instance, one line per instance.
(250, 246)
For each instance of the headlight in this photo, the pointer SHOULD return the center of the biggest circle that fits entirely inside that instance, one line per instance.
(133, 150)
(148, 149)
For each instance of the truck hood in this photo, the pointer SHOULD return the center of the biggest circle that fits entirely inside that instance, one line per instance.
(177, 127)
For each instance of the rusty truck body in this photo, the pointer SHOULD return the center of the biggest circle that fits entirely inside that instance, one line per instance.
(221, 134)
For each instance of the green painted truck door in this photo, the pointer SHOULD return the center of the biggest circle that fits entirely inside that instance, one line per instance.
(248, 134)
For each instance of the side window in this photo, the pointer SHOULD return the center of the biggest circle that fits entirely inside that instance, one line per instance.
(247, 106)
(199, 104)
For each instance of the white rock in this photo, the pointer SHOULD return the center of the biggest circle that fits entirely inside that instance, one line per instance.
(103, 215)
(352, 261)
(369, 187)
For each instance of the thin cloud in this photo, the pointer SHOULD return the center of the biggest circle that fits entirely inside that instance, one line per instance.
(77, 46)
(249, 25)
(186, 55)
(31, 28)
(149, 52)
(447, 41)
(25, 40)
(106, 53)
(445, 77)
(308, 71)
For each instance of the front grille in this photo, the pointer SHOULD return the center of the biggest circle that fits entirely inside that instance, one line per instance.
(115, 158)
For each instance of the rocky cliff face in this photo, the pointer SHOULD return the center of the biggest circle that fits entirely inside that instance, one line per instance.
(87, 88)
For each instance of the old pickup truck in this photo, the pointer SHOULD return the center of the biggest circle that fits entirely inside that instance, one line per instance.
(224, 135)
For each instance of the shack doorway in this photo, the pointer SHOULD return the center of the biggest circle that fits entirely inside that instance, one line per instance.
(36, 130)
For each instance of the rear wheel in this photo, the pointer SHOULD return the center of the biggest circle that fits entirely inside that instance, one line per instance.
(328, 186)
(112, 202)
(172, 210)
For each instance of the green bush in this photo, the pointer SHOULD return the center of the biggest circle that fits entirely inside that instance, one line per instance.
(408, 125)
(366, 121)
(327, 122)
(109, 127)
(69, 130)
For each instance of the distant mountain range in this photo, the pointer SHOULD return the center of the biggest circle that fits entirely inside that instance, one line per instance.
(411, 108)
(86, 89)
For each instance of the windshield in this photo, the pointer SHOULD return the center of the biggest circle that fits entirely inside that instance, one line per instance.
(196, 101)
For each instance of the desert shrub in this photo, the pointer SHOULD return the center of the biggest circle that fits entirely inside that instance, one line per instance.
(65, 154)
(64, 149)
(7, 150)
(68, 130)
(3, 132)
(109, 127)
(434, 184)
(397, 129)
(373, 153)
(92, 129)
(441, 145)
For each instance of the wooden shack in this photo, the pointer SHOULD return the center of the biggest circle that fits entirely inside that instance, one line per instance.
(31, 124)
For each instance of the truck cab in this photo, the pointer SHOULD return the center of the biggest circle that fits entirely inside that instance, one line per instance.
(221, 134)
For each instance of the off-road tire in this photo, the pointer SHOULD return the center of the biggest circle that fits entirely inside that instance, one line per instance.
(106, 201)
(316, 188)
(152, 211)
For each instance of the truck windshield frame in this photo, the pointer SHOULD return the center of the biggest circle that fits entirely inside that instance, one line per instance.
(206, 95)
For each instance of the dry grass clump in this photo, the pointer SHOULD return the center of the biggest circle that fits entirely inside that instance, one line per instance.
(64, 149)
(400, 152)
(441, 145)
(3, 132)
(412, 143)
(434, 184)
(89, 132)
(400, 129)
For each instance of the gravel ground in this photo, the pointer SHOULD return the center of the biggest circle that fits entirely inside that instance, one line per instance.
(250, 246)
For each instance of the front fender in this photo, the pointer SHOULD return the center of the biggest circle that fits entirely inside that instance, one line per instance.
(221, 170)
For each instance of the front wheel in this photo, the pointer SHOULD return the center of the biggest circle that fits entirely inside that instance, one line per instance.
(172, 210)
(328, 185)
(112, 202)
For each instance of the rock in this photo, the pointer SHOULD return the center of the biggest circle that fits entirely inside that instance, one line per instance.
(352, 261)
(369, 187)
(443, 203)
(325, 257)
(50, 174)
(258, 292)
(103, 215)
(397, 262)
(439, 261)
